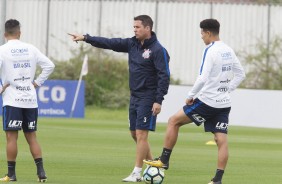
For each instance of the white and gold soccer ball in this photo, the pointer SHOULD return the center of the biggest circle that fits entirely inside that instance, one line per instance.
(153, 175)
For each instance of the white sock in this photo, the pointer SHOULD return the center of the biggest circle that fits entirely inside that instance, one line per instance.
(137, 170)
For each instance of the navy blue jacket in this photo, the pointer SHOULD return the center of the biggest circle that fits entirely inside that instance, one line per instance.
(149, 73)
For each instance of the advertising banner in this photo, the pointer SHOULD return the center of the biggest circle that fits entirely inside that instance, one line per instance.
(56, 97)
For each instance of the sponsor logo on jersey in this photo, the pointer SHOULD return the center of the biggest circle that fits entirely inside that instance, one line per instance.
(22, 78)
(223, 89)
(22, 65)
(222, 101)
(23, 88)
(226, 56)
(225, 81)
(25, 100)
(19, 50)
(146, 53)
(15, 124)
(226, 68)
(221, 126)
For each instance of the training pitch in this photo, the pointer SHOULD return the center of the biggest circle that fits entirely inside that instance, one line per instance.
(99, 150)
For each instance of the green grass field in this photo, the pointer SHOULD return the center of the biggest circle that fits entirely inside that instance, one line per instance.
(99, 150)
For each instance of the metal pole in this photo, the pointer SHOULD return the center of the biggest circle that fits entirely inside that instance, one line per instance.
(47, 27)
(133, 8)
(100, 18)
(268, 25)
(268, 44)
(2, 20)
(100, 29)
(211, 10)
(156, 15)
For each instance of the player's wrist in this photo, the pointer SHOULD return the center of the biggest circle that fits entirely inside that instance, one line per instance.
(84, 37)
(190, 97)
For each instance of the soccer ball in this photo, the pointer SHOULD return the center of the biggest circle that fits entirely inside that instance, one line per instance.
(153, 175)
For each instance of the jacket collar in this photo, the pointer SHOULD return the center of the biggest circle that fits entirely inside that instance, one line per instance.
(147, 42)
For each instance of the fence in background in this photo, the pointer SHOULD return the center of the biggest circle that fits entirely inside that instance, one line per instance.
(45, 23)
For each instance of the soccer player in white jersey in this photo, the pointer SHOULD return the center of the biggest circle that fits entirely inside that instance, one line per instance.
(220, 73)
(18, 62)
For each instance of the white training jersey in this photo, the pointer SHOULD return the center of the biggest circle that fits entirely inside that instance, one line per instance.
(18, 62)
(220, 73)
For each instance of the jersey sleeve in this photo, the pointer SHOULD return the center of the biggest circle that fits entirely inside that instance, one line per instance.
(1, 61)
(115, 44)
(239, 75)
(46, 65)
(207, 64)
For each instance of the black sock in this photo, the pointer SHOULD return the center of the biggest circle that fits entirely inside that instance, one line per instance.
(218, 175)
(11, 168)
(165, 155)
(39, 165)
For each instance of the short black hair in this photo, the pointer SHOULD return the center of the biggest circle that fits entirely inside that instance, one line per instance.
(146, 20)
(12, 26)
(211, 25)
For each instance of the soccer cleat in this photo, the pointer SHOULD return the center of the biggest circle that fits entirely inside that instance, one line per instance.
(6, 178)
(213, 182)
(133, 177)
(156, 163)
(42, 176)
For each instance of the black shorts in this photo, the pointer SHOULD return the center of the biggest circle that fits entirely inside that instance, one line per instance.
(214, 119)
(141, 117)
(15, 118)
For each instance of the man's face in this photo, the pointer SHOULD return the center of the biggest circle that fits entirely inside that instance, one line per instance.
(206, 36)
(140, 31)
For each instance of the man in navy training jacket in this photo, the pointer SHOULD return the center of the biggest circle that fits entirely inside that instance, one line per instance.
(149, 77)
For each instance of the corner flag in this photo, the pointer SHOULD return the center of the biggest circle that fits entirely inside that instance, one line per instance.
(84, 71)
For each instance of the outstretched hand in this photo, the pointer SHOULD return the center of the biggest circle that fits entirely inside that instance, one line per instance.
(76, 37)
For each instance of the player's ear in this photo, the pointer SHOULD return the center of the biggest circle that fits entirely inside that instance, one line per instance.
(19, 34)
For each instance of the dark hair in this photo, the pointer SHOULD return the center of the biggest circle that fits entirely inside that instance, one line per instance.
(12, 26)
(146, 20)
(211, 25)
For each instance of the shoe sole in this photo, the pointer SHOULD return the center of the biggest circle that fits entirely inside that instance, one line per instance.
(215, 183)
(137, 180)
(8, 180)
(42, 180)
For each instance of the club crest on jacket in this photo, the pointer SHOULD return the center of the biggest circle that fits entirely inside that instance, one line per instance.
(146, 53)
